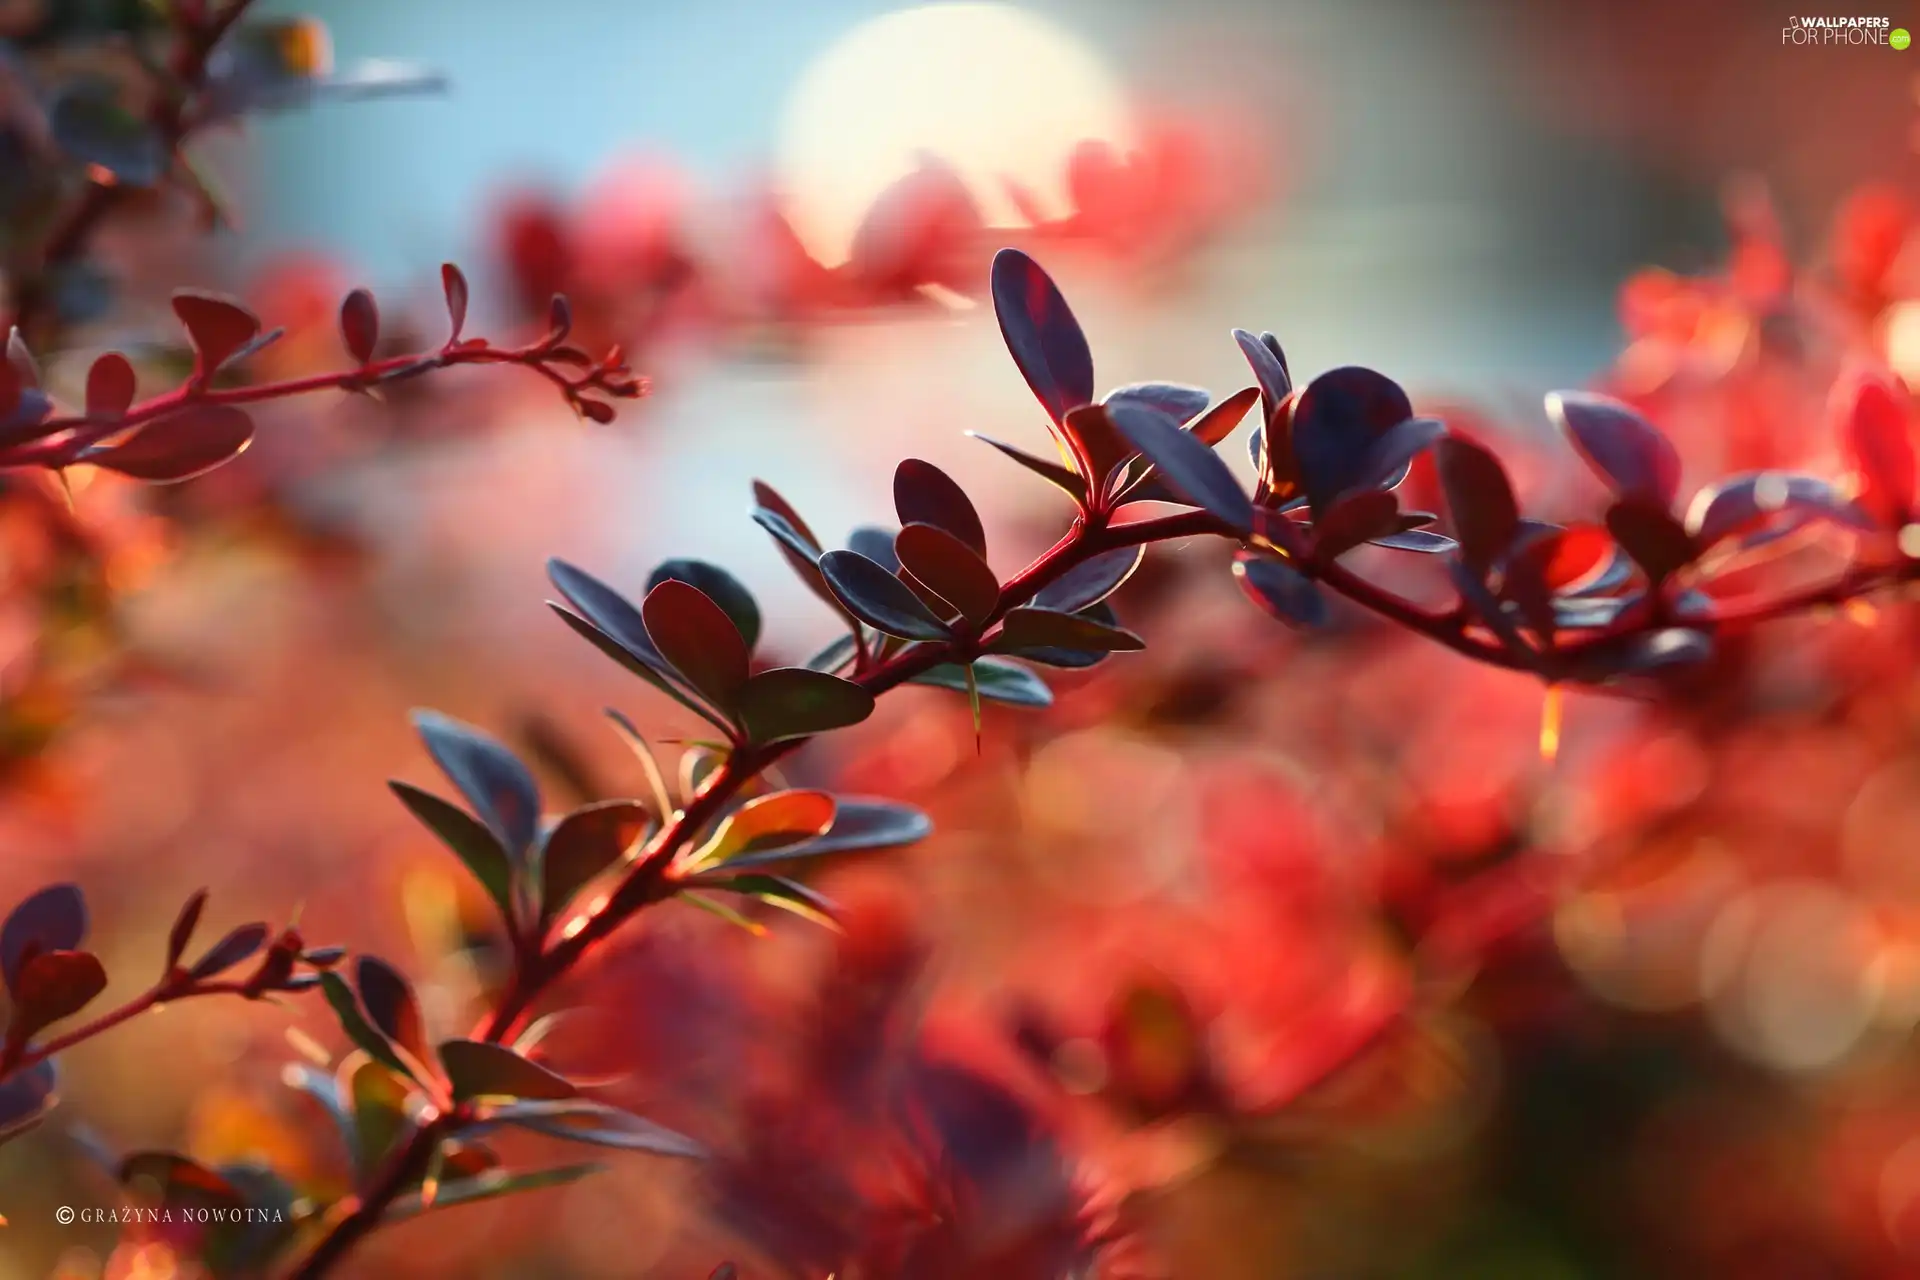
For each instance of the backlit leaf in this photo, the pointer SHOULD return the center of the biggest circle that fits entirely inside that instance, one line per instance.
(217, 327)
(873, 595)
(582, 845)
(391, 1005)
(1188, 466)
(998, 680)
(1480, 500)
(110, 386)
(240, 944)
(697, 638)
(719, 586)
(1658, 543)
(476, 1069)
(1053, 472)
(469, 839)
(769, 822)
(1177, 401)
(950, 569)
(1269, 369)
(924, 494)
(496, 784)
(184, 444)
(1338, 421)
(1280, 589)
(1039, 329)
(1623, 448)
(346, 1008)
(54, 919)
(794, 702)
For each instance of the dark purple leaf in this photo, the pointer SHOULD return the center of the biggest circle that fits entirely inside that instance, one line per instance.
(876, 545)
(924, 494)
(1217, 423)
(1624, 449)
(1773, 502)
(1337, 421)
(582, 845)
(1269, 369)
(1361, 516)
(1658, 543)
(1030, 628)
(180, 446)
(858, 826)
(1177, 401)
(1480, 499)
(1042, 334)
(1486, 607)
(794, 702)
(1189, 467)
(1060, 476)
(476, 1069)
(594, 1123)
(453, 283)
(1090, 581)
(468, 838)
(698, 640)
(719, 586)
(360, 325)
(110, 386)
(1280, 589)
(239, 945)
(873, 595)
(54, 919)
(1391, 459)
(494, 781)
(391, 1006)
(218, 327)
(950, 569)
(1417, 540)
(996, 679)
(53, 985)
(183, 926)
(346, 1009)
(26, 1097)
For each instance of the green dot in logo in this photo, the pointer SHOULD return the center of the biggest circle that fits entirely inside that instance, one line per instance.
(1899, 38)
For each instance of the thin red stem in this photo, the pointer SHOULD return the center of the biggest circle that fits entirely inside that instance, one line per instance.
(164, 993)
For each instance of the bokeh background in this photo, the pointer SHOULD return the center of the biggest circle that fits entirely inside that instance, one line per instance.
(1305, 960)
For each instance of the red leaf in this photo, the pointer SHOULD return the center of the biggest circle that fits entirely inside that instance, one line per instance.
(454, 284)
(924, 494)
(1657, 542)
(181, 445)
(1873, 418)
(697, 638)
(217, 326)
(110, 386)
(949, 568)
(54, 985)
(360, 325)
(1479, 498)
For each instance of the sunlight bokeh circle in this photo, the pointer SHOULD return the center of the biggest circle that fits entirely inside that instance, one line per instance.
(992, 90)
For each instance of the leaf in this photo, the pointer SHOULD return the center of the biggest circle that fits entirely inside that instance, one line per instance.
(1390, 460)
(1090, 581)
(1176, 400)
(26, 1097)
(476, 846)
(360, 325)
(1041, 333)
(924, 494)
(1871, 415)
(1188, 466)
(239, 945)
(649, 666)
(1032, 628)
(877, 598)
(1052, 472)
(391, 1005)
(614, 616)
(858, 826)
(54, 919)
(180, 446)
(1480, 499)
(453, 283)
(649, 764)
(183, 926)
(167, 1175)
(775, 891)
(495, 783)
(950, 569)
(489, 1186)
(1773, 502)
(53, 985)
(998, 681)
(1269, 369)
(582, 845)
(217, 327)
(1338, 421)
(1417, 540)
(476, 1069)
(1361, 516)
(1623, 448)
(1097, 445)
(1280, 589)
(1658, 543)
(794, 702)
(579, 1120)
(1217, 423)
(768, 822)
(346, 1008)
(379, 1115)
(1486, 607)
(698, 640)
(111, 384)
(718, 586)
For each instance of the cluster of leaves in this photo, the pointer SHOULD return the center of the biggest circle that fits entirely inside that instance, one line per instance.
(1596, 604)
(149, 76)
(50, 978)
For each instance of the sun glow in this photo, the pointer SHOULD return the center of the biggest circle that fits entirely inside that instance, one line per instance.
(991, 90)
